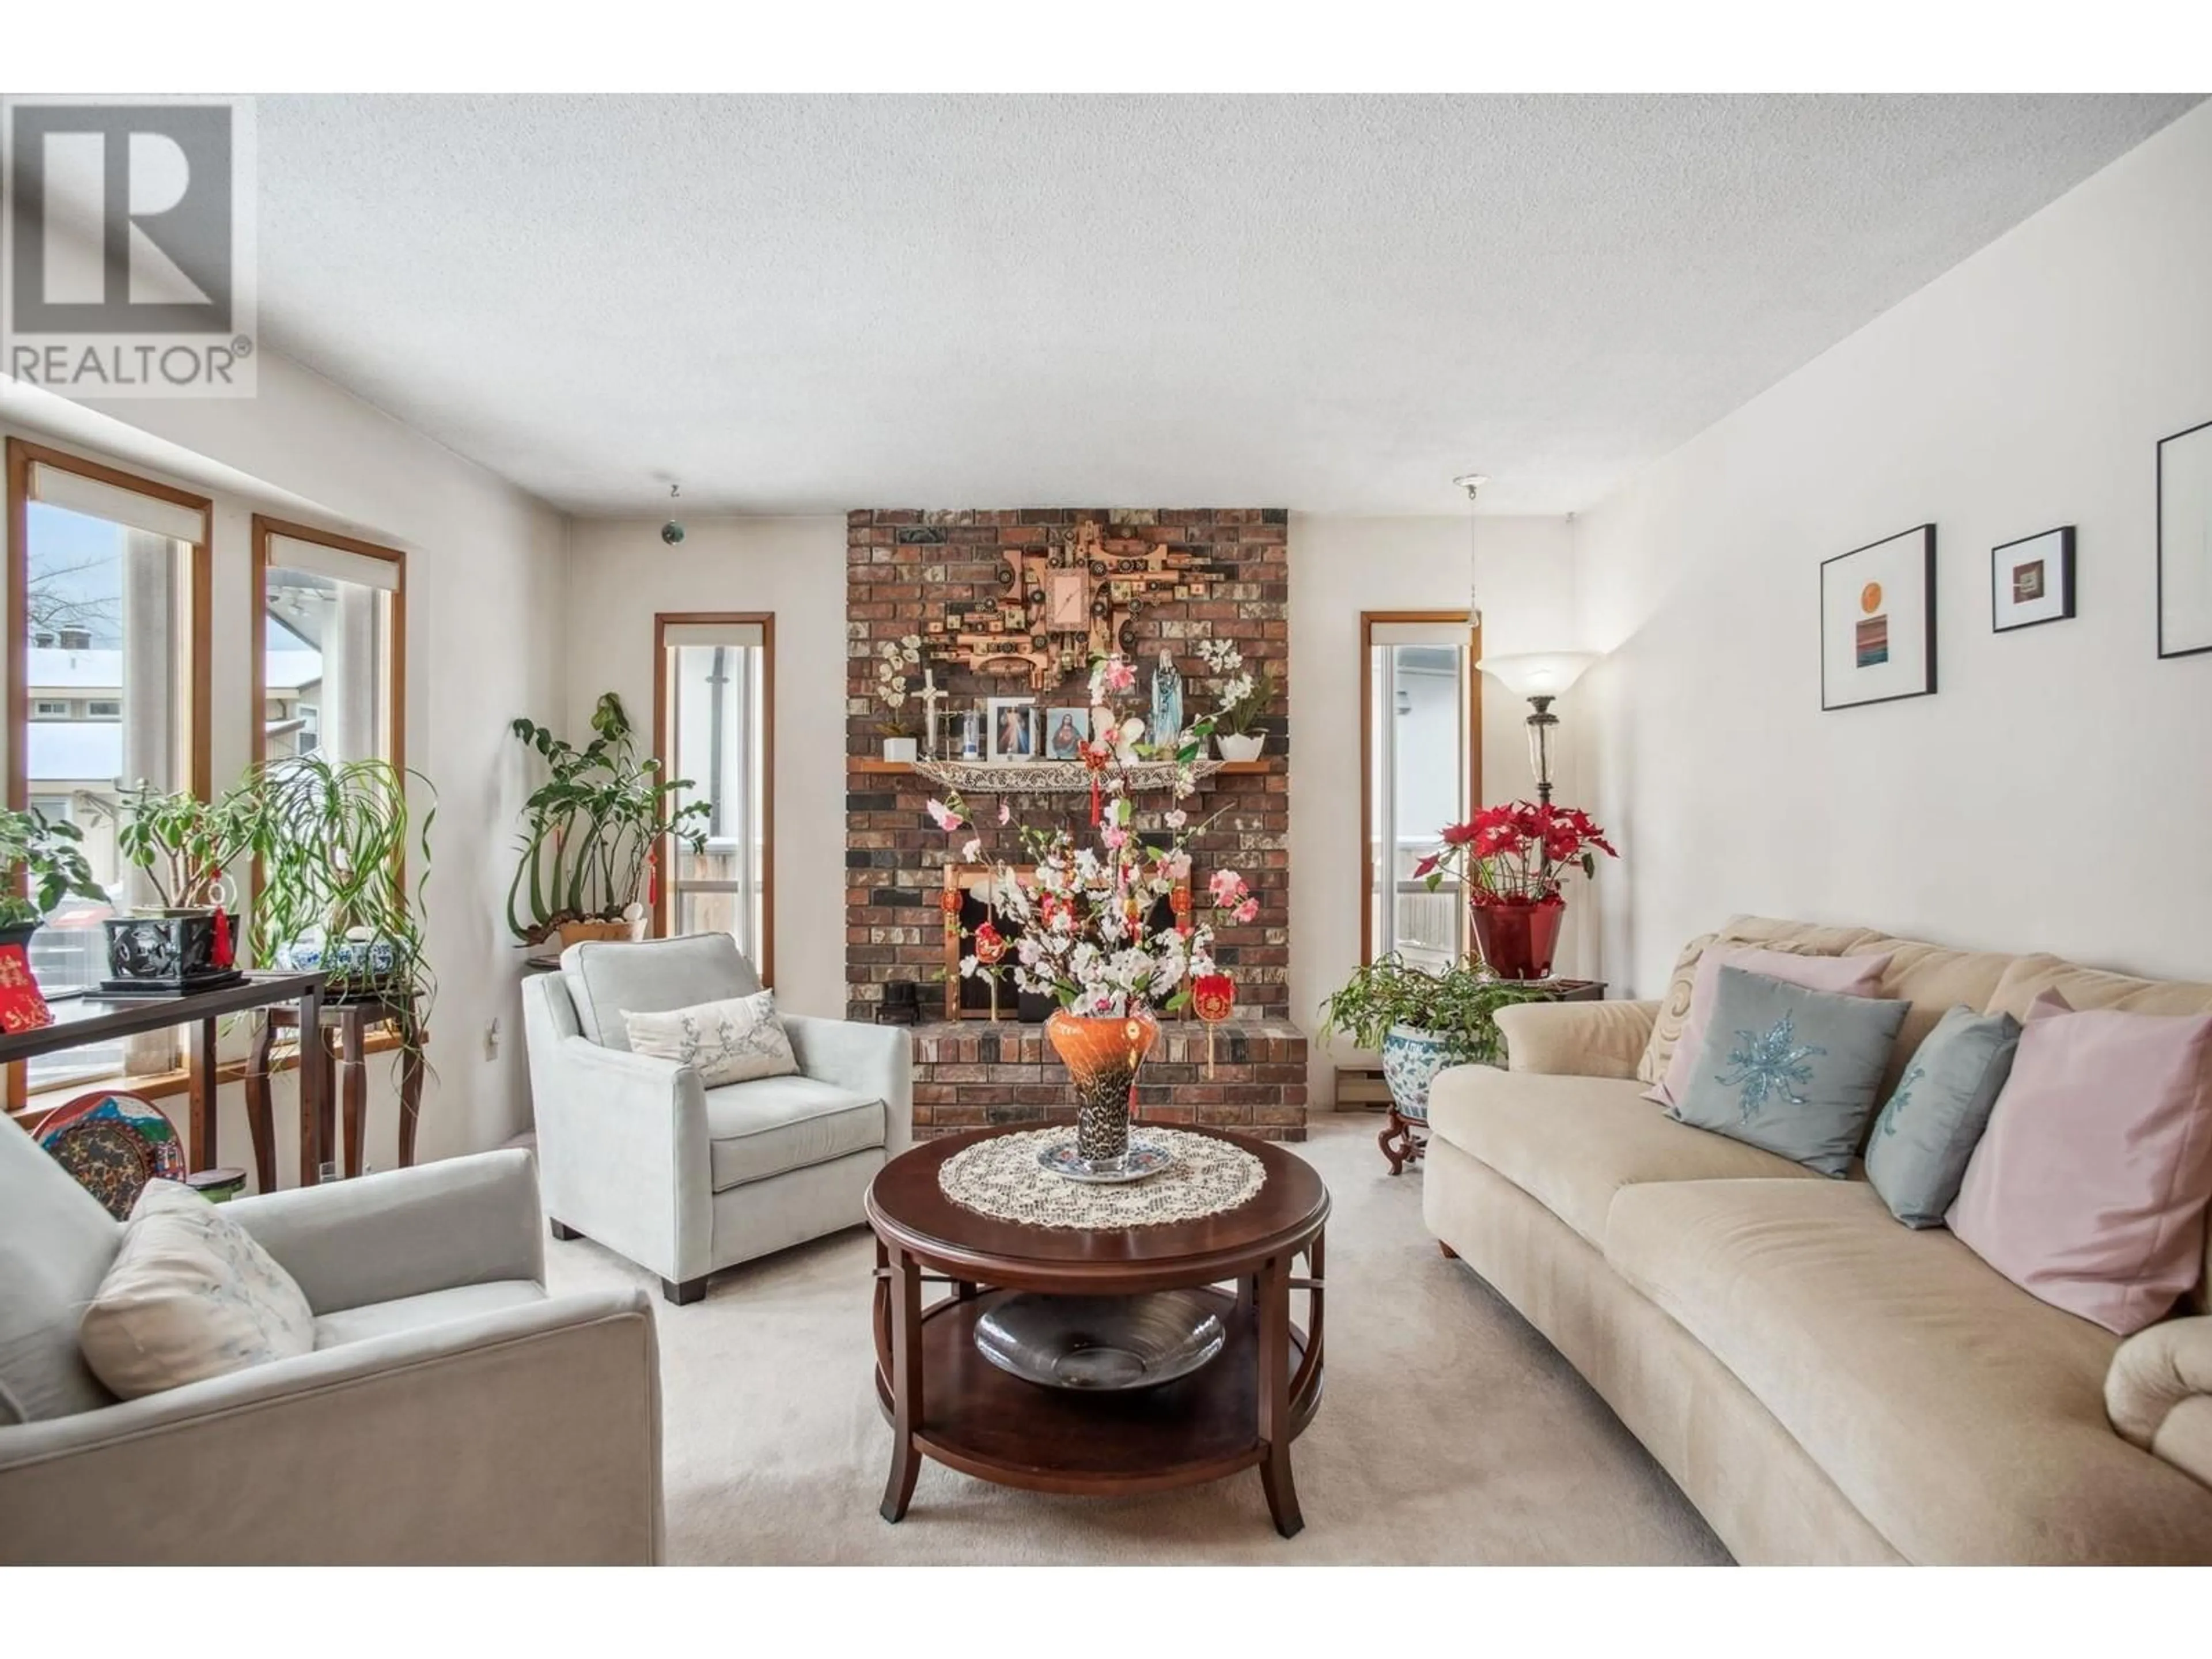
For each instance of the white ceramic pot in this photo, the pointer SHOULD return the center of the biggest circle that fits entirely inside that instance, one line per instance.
(901, 749)
(1244, 748)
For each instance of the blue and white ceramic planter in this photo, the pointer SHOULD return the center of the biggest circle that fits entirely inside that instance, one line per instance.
(341, 959)
(1411, 1060)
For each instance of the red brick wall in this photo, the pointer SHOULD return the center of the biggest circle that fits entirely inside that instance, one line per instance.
(904, 566)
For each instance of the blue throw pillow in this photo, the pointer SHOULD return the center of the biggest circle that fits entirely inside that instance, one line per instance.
(1917, 1154)
(1790, 1070)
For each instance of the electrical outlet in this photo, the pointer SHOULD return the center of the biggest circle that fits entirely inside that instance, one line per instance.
(491, 1039)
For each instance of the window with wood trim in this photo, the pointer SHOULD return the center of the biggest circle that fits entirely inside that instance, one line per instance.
(330, 620)
(714, 726)
(108, 600)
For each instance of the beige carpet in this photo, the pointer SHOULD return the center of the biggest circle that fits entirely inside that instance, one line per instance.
(1450, 1430)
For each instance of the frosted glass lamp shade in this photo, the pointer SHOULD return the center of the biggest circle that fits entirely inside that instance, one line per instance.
(1538, 673)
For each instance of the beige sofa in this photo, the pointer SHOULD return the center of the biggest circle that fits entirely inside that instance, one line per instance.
(1825, 1384)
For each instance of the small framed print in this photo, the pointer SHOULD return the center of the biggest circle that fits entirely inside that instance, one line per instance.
(2031, 580)
(2184, 542)
(1065, 731)
(1013, 723)
(1878, 621)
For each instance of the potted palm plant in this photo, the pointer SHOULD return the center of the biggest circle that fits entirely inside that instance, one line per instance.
(342, 871)
(1422, 1022)
(591, 833)
(45, 858)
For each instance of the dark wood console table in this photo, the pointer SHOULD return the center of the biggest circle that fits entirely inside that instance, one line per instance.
(93, 1018)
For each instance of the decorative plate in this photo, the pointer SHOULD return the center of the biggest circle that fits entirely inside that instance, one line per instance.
(113, 1144)
(1143, 1158)
(1102, 1343)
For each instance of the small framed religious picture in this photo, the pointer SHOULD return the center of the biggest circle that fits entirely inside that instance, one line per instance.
(2184, 542)
(2031, 580)
(1878, 621)
(1014, 722)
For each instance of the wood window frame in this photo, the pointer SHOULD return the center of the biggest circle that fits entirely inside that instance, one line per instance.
(664, 901)
(1368, 621)
(22, 455)
(265, 530)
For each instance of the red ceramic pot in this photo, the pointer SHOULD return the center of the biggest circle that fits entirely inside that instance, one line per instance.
(1517, 937)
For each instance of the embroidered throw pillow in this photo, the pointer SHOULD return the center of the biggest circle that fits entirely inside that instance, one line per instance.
(731, 1042)
(191, 1295)
(2089, 1188)
(1854, 976)
(1917, 1154)
(1788, 1069)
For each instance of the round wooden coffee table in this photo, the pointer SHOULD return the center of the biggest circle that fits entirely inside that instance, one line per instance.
(1239, 1410)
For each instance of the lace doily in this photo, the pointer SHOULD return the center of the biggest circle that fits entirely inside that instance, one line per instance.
(1000, 1178)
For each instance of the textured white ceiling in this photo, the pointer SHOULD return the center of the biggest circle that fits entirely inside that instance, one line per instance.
(1333, 304)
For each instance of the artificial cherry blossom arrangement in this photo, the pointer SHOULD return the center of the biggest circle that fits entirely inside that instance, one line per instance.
(1085, 914)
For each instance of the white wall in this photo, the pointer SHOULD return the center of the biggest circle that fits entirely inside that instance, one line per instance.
(620, 573)
(484, 575)
(2054, 794)
(1341, 566)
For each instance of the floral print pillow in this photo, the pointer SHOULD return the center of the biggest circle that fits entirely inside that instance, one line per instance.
(191, 1295)
(732, 1042)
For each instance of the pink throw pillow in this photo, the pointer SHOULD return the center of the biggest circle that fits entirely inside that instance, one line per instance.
(1846, 976)
(2089, 1188)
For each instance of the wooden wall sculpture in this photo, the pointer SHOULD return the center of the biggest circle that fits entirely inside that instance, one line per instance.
(1067, 604)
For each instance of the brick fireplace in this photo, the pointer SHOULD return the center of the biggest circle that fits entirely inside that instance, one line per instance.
(905, 567)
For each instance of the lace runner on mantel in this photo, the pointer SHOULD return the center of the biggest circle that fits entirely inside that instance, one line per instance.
(1000, 1178)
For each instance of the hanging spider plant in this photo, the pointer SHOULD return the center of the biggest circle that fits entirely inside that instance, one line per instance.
(341, 886)
(590, 832)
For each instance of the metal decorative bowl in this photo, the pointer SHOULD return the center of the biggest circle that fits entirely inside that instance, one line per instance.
(1102, 1343)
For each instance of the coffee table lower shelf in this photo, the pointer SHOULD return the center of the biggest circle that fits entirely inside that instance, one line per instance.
(989, 1423)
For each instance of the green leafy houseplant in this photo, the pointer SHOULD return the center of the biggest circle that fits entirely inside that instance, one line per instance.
(1456, 1004)
(46, 856)
(183, 843)
(591, 831)
(342, 870)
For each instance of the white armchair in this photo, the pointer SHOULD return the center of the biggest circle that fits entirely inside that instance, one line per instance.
(636, 1154)
(451, 1412)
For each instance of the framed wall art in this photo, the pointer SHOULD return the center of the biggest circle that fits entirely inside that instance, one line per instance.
(2184, 542)
(2031, 580)
(1013, 723)
(1878, 621)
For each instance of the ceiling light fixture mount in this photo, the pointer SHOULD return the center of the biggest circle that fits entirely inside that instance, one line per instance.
(1472, 483)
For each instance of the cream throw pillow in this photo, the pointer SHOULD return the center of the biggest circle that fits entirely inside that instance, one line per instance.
(191, 1295)
(731, 1042)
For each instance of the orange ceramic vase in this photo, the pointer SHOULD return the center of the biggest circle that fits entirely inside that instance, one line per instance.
(1102, 1053)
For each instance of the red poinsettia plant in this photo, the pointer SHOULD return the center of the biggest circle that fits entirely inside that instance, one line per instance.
(1516, 854)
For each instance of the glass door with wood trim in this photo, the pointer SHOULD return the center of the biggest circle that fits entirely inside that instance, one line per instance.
(715, 729)
(1421, 742)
